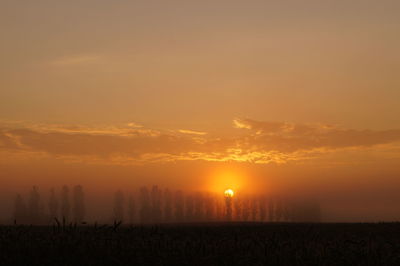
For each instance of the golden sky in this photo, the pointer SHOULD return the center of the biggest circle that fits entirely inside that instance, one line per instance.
(194, 94)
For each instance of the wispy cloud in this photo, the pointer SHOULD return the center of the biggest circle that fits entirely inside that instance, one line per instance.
(265, 142)
(191, 132)
(237, 123)
(134, 125)
(289, 137)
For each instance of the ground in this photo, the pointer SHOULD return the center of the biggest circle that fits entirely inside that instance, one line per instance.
(202, 244)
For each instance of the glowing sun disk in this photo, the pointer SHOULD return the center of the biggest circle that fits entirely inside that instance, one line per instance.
(229, 193)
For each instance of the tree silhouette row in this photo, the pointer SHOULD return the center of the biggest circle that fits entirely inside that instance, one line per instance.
(156, 205)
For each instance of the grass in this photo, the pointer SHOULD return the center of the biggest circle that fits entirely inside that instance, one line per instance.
(202, 244)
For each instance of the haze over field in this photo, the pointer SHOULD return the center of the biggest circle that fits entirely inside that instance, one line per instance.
(266, 97)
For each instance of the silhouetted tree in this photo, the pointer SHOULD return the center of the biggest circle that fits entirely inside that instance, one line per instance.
(167, 205)
(254, 208)
(210, 207)
(156, 204)
(219, 209)
(271, 210)
(246, 209)
(279, 209)
(179, 206)
(20, 211)
(263, 208)
(79, 204)
(53, 205)
(34, 210)
(189, 217)
(287, 210)
(198, 207)
(228, 208)
(237, 205)
(119, 206)
(145, 211)
(132, 208)
(65, 206)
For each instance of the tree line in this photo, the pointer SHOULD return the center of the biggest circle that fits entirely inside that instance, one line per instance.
(69, 206)
(156, 205)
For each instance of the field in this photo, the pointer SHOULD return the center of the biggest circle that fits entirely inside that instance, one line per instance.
(202, 244)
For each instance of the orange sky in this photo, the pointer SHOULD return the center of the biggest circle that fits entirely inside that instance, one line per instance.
(256, 95)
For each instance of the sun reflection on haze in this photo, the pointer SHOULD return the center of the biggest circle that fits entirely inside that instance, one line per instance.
(223, 179)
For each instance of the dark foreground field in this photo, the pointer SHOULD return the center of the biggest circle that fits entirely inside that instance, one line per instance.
(209, 244)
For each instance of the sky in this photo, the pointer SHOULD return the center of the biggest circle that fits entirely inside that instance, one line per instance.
(279, 95)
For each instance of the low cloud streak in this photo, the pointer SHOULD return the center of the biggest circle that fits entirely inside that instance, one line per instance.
(262, 143)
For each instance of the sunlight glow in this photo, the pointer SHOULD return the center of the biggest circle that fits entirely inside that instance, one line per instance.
(220, 179)
(229, 193)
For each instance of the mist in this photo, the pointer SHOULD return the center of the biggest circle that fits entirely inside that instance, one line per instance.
(343, 194)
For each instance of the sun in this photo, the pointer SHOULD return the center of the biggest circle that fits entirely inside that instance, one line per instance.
(229, 193)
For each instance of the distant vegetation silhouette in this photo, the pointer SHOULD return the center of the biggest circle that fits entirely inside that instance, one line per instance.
(155, 205)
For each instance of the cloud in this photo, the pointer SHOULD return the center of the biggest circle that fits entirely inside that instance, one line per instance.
(239, 124)
(287, 137)
(134, 125)
(256, 125)
(262, 143)
(8, 141)
(191, 132)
